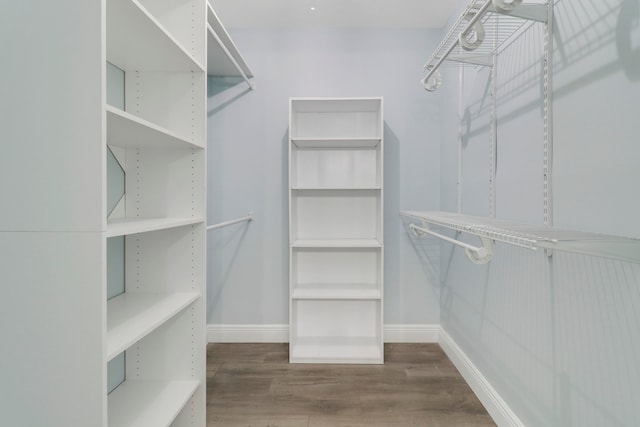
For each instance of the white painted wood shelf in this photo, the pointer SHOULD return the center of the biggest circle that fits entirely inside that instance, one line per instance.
(128, 131)
(534, 236)
(337, 291)
(140, 403)
(132, 316)
(223, 57)
(336, 243)
(141, 42)
(127, 226)
(335, 230)
(336, 142)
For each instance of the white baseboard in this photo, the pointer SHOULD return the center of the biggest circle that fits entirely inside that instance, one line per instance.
(492, 401)
(280, 333)
(248, 333)
(411, 333)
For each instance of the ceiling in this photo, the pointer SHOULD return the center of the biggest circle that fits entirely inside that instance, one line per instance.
(334, 13)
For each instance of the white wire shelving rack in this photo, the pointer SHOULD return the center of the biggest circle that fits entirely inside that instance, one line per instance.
(481, 19)
(533, 237)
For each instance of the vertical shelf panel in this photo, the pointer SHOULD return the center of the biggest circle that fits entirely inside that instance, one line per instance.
(336, 230)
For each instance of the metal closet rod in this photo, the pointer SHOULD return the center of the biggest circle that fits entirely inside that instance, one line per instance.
(231, 58)
(478, 15)
(247, 218)
(481, 252)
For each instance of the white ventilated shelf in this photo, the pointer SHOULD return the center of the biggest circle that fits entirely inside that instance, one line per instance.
(138, 403)
(335, 188)
(324, 291)
(337, 243)
(336, 350)
(128, 131)
(132, 316)
(127, 226)
(498, 27)
(336, 142)
(535, 236)
(139, 42)
(218, 45)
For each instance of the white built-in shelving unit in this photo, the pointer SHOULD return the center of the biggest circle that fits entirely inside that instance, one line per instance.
(336, 230)
(149, 335)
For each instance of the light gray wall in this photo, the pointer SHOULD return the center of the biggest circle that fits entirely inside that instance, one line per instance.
(247, 136)
(557, 337)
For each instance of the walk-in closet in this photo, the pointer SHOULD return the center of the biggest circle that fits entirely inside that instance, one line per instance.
(320, 213)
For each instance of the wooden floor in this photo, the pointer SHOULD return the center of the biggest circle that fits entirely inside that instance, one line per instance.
(254, 385)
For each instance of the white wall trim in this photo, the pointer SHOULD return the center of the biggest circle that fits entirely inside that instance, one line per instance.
(280, 333)
(411, 333)
(248, 333)
(492, 401)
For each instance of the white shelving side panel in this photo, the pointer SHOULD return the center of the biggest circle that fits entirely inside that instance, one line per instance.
(140, 42)
(132, 316)
(126, 226)
(149, 403)
(128, 131)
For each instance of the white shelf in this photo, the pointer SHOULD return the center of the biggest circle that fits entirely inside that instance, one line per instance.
(346, 189)
(337, 243)
(362, 291)
(127, 226)
(148, 403)
(535, 236)
(499, 27)
(140, 42)
(132, 316)
(336, 350)
(218, 44)
(336, 142)
(128, 131)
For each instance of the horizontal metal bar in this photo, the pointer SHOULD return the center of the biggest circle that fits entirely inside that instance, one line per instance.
(247, 218)
(480, 251)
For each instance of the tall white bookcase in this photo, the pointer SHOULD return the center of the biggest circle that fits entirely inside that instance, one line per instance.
(336, 230)
(64, 339)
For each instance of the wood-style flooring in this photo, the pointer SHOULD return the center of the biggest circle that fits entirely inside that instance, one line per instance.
(254, 385)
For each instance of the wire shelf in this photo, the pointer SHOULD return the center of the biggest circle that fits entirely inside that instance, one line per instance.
(499, 28)
(534, 236)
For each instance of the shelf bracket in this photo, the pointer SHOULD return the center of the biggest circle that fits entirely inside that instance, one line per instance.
(477, 255)
(532, 12)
